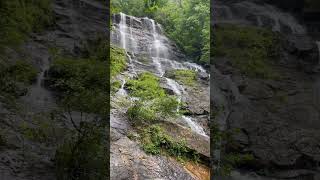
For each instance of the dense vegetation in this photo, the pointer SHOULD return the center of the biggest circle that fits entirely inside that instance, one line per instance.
(83, 87)
(186, 22)
(154, 103)
(19, 18)
(117, 60)
(251, 49)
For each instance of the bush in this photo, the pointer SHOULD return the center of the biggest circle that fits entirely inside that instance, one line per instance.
(140, 113)
(84, 156)
(146, 87)
(153, 103)
(118, 60)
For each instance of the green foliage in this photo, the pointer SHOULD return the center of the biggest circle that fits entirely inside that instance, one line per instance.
(83, 157)
(137, 7)
(118, 60)
(140, 112)
(23, 72)
(186, 22)
(42, 129)
(251, 49)
(115, 86)
(146, 87)
(155, 141)
(19, 18)
(184, 76)
(153, 103)
(83, 82)
(14, 78)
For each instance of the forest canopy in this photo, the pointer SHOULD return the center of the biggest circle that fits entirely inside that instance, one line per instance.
(187, 22)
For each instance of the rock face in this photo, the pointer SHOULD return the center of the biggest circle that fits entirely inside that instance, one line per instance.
(77, 23)
(148, 50)
(257, 14)
(278, 119)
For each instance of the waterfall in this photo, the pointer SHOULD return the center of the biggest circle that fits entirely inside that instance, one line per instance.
(122, 91)
(195, 127)
(123, 29)
(158, 53)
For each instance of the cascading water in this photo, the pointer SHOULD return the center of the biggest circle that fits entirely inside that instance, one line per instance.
(247, 12)
(122, 91)
(123, 29)
(159, 55)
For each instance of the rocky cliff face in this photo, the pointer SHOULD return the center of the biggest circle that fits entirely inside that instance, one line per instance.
(148, 50)
(77, 24)
(278, 119)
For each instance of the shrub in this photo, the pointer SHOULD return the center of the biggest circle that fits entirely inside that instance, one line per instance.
(118, 60)
(146, 87)
(140, 113)
(83, 156)
(153, 102)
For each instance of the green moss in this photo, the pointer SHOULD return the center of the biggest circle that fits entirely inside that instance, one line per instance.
(156, 141)
(118, 60)
(184, 76)
(251, 49)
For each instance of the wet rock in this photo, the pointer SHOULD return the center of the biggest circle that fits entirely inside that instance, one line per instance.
(194, 141)
(130, 162)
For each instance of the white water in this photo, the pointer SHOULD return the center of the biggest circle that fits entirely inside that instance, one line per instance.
(123, 29)
(122, 91)
(159, 54)
(195, 127)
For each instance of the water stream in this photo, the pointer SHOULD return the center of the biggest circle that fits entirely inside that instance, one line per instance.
(159, 55)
